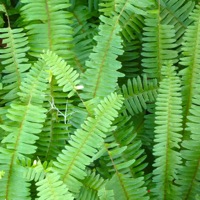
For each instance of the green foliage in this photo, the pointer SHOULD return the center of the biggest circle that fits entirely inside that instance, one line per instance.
(99, 100)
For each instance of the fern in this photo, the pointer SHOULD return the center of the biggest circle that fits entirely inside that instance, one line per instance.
(176, 13)
(138, 93)
(24, 123)
(52, 188)
(191, 63)
(13, 59)
(99, 99)
(83, 35)
(189, 173)
(49, 21)
(158, 47)
(92, 184)
(130, 60)
(85, 143)
(56, 132)
(127, 188)
(102, 60)
(65, 75)
(167, 135)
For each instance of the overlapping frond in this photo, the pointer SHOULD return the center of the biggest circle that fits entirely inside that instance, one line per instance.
(126, 187)
(13, 60)
(122, 155)
(55, 132)
(138, 92)
(167, 135)
(84, 32)
(24, 122)
(176, 13)
(129, 13)
(48, 27)
(130, 60)
(62, 79)
(91, 185)
(34, 170)
(158, 45)
(84, 143)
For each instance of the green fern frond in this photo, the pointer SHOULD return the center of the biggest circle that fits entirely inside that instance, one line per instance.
(124, 158)
(14, 61)
(167, 135)
(34, 84)
(56, 131)
(56, 128)
(49, 185)
(85, 142)
(48, 27)
(158, 45)
(125, 187)
(109, 7)
(34, 170)
(84, 33)
(91, 185)
(176, 13)
(24, 122)
(189, 174)
(138, 92)
(149, 126)
(52, 188)
(123, 150)
(130, 60)
(100, 78)
(65, 75)
(106, 194)
(129, 14)
(191, 61)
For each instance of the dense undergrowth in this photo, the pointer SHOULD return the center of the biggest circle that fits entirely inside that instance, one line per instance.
(99, 100)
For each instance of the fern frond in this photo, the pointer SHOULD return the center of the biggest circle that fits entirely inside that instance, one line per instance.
(167, 135)
(52, 188)
(109, 7)
(24, 122)
(100, 78)
(176, 13)
(34, 84)
(84, 33)
(91, 185)
(48, 27)
(14, 61)
(65, 75)
(82, 147)
(130, 60)
(138, 92)
(125, 187)
(158, 45)
(129, 13)
(106, 194)
(189, 174)
(56, 130)
(191, 61)
(123, 156)
(34, 170)
(123, 149)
